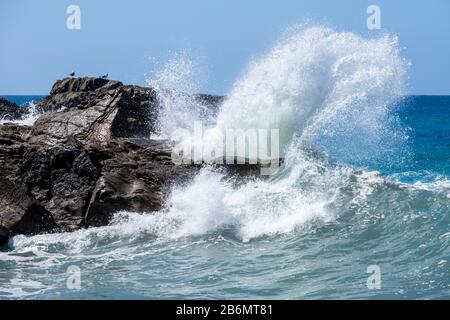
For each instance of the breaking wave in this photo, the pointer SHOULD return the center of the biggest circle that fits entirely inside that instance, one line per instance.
(316, 86)
(27, 119)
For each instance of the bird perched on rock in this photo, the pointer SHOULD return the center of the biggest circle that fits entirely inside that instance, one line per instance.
(105, 76)
(72, 74)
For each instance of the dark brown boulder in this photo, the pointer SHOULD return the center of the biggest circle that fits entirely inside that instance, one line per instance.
(127, 111)
(61, 179)
(75, 93)
(20, 213)
(80, 85)
(86, 158)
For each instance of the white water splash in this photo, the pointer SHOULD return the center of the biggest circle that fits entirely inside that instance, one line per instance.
(28, 119)
(175, 85)
(315, 82)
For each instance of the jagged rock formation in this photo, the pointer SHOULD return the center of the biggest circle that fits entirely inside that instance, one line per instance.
(85, 158)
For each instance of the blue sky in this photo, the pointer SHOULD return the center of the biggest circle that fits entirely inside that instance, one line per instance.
(124, 37)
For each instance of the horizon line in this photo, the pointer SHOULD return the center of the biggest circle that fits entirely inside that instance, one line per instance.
(219, 94)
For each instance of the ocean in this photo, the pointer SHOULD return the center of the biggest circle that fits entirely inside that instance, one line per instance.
(23, 100)
(360, 208)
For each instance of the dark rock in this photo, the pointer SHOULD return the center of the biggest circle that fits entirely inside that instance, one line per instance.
(20, 213)
(62, 180)
(13, 144)
(75, 93)
(85, 84)
(86, 158)
(99, 116)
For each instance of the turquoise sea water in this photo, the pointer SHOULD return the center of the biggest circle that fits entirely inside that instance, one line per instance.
(400, 223)
(23, 100)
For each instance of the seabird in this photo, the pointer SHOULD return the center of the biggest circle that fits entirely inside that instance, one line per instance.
(104, 76)
(72, 74)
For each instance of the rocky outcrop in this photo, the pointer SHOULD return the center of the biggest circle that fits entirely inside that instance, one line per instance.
(88, 156)
(75, 92)
(94, 111)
